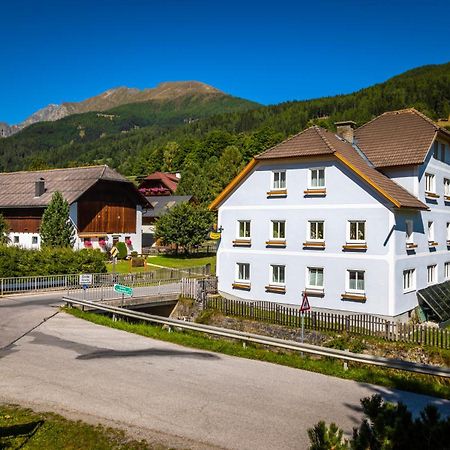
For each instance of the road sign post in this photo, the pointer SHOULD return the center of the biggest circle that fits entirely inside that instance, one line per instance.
(303, 308)
(114, 252)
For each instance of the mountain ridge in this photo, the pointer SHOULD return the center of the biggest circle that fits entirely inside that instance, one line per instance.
(111, 98)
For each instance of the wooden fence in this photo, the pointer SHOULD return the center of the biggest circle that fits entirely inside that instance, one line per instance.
(361, 324)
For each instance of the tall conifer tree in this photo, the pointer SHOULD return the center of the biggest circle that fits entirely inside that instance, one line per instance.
(56, 228)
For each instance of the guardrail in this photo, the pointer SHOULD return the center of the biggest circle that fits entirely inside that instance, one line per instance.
(270, 341)
(17, 285)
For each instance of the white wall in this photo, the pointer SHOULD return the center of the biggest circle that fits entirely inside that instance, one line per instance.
(26, 240)
(423, 255)
(347, 198)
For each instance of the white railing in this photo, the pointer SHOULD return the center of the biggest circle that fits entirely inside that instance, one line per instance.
(71, 282)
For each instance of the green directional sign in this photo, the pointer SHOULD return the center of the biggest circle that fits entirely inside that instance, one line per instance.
(121, 289)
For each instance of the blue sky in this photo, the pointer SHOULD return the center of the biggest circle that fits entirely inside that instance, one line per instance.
(66, 50)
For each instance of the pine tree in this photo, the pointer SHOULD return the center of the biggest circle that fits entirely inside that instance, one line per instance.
(4, 230)
(56, 228)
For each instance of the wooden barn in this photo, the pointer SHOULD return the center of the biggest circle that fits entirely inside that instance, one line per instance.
(104, 206)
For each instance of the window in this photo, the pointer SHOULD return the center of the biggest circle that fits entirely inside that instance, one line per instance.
(243, 272)
(430, 183)
(430, 231)
(431, 274)
(447, 270)
(244, 228)
(446, 187)
(278, 274)
(355, 281)
(409, 280)
(317, 178)
(448, 232)
(279, 180)
(357, 231)
(315, 277)
(316, 231)
(278, 229)
(16, 239)
(409, 231)
(34, 240)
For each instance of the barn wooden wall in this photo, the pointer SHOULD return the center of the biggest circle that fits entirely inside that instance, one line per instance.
(24, 220)
(107, 208)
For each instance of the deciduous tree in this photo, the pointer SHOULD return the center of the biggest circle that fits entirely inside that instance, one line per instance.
(184, 226)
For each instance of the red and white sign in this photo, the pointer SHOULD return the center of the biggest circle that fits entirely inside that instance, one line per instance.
(305, 303)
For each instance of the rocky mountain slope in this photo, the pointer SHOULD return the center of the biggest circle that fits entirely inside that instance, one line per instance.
(112, 98)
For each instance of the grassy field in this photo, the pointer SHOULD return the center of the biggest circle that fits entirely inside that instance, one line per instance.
(423, 384)
(26, 429)
(175, 262)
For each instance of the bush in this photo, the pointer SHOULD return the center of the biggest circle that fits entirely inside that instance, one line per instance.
(17, 262)
(123, 251)
(386, 426)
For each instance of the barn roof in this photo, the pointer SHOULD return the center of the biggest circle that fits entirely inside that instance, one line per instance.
(17, 189)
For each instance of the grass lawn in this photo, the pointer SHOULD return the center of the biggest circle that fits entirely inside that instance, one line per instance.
(392, 378)
(181, 261)
(26, 429)
(174, 262)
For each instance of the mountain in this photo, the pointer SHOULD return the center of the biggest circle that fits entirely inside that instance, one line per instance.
(116, 97)
(209, 137)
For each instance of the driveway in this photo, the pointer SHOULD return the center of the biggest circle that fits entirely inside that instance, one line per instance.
(185, 397)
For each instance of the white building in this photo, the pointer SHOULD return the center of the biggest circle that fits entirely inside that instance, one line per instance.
(360, 220)
(105, 207)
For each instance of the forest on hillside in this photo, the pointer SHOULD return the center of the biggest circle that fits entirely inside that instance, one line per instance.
(210, 151)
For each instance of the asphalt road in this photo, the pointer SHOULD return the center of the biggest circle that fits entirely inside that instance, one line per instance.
(180, 396)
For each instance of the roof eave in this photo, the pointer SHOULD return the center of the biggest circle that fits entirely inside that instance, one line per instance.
(234, 183)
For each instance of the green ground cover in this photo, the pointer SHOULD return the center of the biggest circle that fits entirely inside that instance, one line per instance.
(174, 262)
(25, 429)
(181, 261)
(423, 384)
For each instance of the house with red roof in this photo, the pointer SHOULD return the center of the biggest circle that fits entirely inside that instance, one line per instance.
(159, 183)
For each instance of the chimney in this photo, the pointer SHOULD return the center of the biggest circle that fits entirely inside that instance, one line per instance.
(39, 187)
(345, 130)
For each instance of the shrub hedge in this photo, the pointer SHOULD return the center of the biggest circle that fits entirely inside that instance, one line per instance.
(123, 251)
(18, 262)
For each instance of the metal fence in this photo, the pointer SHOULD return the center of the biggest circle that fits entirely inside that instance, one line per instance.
(71, 282)
(360, 324)
(197, 288)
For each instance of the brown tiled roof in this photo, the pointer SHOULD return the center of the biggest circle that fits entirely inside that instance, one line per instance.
(305, 143)
(17, 188)
(318, 141)
(397, 138)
